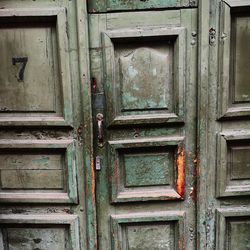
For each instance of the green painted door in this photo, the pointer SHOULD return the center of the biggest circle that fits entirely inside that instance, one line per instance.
(148, 150)
(224, 211)
(42, 197)
(143, 69)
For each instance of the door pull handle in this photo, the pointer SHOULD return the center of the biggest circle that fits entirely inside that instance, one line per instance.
(100, 139)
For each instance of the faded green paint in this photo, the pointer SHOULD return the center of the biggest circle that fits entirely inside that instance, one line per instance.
(239, 235)
(240, 163)
(145, 66)
(147, 230)
(150, 236)
(37, 238)
(147, 169)
(42, 153)
(145, 79)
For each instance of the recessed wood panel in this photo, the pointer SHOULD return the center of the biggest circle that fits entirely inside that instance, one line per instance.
(40, 74)
(153, 236)
(39, 231)
(36, 238)
(148, 168)
(33, 170)
(143, 170)
(240, 160)
(240, 58)
(233, 165)
(34, 48)
(234, 90)
(144, 75)
(37, 171)
(233, 228)
(147, 230)
(239, 234)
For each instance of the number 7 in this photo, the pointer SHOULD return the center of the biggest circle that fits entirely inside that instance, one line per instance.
(22, 60)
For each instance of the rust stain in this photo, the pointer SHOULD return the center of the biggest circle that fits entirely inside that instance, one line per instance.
(93, 196)
(180, 164)
(193, 193)
(93, 181)
(94, 84)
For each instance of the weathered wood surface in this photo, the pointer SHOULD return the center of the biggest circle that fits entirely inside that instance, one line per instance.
(42, 126)
(122, 51)
(223, 210)
(46, 72)
(95, 6)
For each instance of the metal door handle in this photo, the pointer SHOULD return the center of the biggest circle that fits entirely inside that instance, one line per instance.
(99, 118)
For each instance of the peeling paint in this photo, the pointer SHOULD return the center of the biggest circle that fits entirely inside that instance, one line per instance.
(180, 164)
(193, 194)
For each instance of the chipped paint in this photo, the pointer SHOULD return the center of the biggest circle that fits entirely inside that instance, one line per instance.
(193, 194)
(180, 164)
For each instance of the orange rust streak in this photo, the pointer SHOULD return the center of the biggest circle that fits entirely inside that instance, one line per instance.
(93, 181)
(180, 182)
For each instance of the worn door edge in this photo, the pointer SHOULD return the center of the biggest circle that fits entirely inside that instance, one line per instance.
(86, 126)
(203, 79)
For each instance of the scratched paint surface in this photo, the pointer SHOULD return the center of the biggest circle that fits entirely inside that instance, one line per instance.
(148, 169)
(239, 235)
(136, 177)
(145, 76)
(150, 236)
(32, 170)
(241, 50)
(36, 238)
(40, 77)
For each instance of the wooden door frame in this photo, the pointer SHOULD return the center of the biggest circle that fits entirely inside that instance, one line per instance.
(85, 130)
(203, 116)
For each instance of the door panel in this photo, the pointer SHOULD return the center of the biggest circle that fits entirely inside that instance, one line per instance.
(147, 231)
(44, 73)
(39, 232)
(38, 171)
(146, 169)
(144, 87)
(42, 192)
(224, 214)
(235, 35)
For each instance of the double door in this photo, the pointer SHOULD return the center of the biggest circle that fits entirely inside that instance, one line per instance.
(124, 124)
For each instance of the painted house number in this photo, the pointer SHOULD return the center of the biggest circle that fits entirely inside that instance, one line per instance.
(23, 61)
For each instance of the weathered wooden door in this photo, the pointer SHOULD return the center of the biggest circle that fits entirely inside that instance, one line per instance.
(224, 210)
(166, 165)
(143, 69)
(42, 83)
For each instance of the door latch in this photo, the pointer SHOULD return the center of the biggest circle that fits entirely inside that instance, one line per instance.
(100, 139)
(97, 163)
